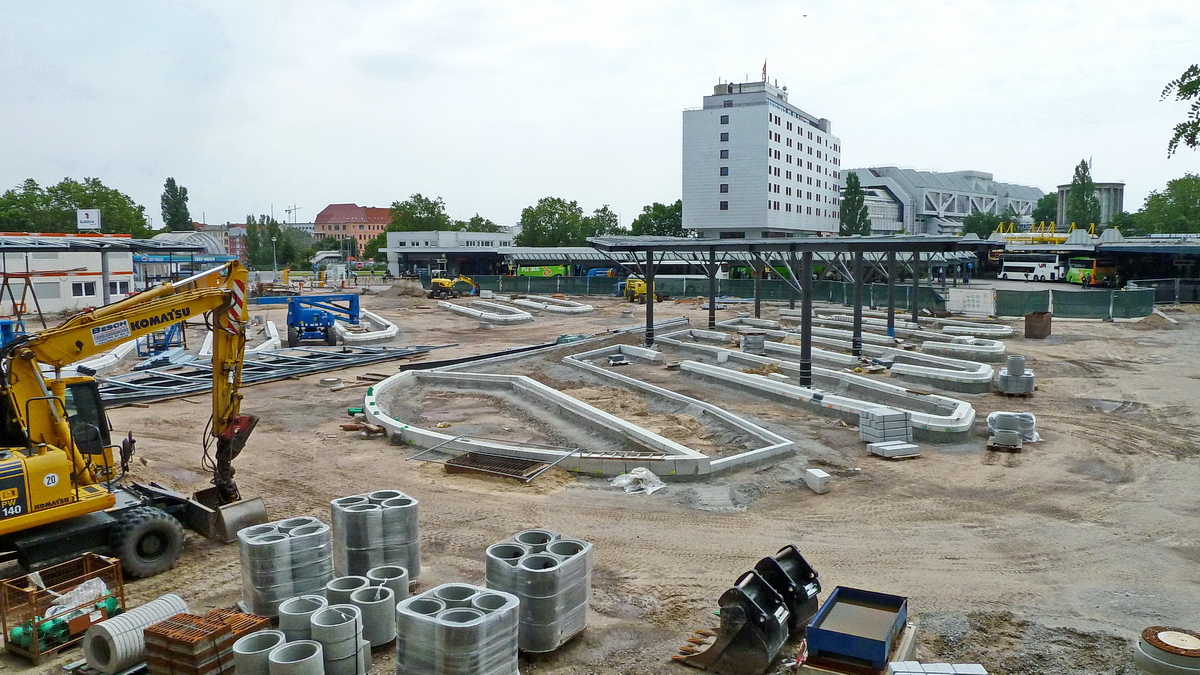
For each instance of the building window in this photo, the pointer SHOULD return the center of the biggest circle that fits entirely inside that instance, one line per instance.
(724, 154)
(724, 187)
(724, 135)
(724, 119)
(789, 126)
(118, 287)
(724, 206)
(732, 235)
(83, 289)
(727, 104)
(724, 171)
(789, 207)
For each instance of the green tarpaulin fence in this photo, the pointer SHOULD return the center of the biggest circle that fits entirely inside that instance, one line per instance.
(1131, 304)
(1020, 303)
(1081, 304)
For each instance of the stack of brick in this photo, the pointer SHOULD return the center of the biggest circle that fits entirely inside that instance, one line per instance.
(188, 644)
(880, 425)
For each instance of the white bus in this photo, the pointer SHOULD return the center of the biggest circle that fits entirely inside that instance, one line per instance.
(1033, 266)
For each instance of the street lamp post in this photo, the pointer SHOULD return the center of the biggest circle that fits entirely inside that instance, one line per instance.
(274, 265)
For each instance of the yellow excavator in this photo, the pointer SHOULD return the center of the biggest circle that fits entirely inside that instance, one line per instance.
(443, 287)
(62, 487)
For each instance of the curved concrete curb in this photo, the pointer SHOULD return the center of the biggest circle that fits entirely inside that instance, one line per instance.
(878, 318)
(773, 444)
(938, 417)
(389, 330)
(661, 455)
(542, 303)
(491, 312)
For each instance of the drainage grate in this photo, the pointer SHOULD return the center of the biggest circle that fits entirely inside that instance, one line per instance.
(512, 467)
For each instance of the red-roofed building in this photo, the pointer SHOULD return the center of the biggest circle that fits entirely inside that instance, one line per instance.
(346, 221)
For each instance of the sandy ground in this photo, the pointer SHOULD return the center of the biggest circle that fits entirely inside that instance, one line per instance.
(1051, 561)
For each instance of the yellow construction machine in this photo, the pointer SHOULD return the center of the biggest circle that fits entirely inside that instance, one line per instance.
(635, 291)
(62, 487)
(443, 287)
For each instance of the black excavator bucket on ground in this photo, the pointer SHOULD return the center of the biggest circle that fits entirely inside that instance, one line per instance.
(754, 626)
(794, 579)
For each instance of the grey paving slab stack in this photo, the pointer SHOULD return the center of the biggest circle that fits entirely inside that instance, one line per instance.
(879, 425)
(283, 559)
(457, 629)
(375, 529)
(1014, 378)
(552, 576)
(339, 629)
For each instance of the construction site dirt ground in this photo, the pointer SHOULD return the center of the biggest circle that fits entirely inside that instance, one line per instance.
(1048, 561)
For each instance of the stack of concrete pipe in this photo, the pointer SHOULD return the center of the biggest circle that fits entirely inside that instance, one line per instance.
(283, 559)
(119, 643)
(394, 577)
(552, 576)
(374, 529)
(251, 653)
(458, 629)
(294, 616)
(339, 630)
(303, 657)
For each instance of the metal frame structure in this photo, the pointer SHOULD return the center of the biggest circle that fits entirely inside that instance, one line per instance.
(789, 251)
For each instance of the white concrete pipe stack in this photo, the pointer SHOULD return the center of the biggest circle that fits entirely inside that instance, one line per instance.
(552, 576)
(394, 577)
(294, 616)
(251, 652)
(457, 629)
(378, 607)
(117, 644)
(339, 629)
(375, 529)
(303, 657)
(283, 559)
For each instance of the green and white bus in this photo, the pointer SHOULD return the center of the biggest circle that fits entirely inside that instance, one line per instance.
(1091, 272)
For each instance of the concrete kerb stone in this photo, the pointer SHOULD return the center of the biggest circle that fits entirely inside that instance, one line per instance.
(553, 305)
(663, 456)
(936, 427)
(775, 444)
(491, 312)
(389, 330)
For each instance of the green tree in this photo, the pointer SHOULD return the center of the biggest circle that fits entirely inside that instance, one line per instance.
(1175, 209)
(477, 223)
(419, 214)
(854, 218)
(174, 207)
(31, 208)
(602, 222)
(1130, 224)
(661, 220)
(553, 221)
(371, 250)
(981, 224)
(1186, 87)
(1046, 209)
(259, 251)
(1083, 207)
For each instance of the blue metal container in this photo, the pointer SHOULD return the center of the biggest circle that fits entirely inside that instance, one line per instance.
(857, 626)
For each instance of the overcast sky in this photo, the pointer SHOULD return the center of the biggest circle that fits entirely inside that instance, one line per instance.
(261, 105)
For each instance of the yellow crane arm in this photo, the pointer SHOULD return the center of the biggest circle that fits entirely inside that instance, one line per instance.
(38, 404)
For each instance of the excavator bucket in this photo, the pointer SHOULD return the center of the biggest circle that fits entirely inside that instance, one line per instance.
(226, 519)
(796, 581)
(754, 626)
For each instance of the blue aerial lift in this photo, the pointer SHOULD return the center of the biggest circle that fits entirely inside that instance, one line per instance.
(311, 317)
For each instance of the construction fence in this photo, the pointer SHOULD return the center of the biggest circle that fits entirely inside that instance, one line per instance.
(1091, 304)
(1170, 291)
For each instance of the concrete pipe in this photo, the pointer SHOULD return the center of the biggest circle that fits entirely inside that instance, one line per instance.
(338, 590)
(539, 638)
(381, 496)
(536, 540)
(256, 530)
(377, 605)
(462, 630)
(361, 526)
(297, 658)
(251, 652)
(407, 556)
(357, 561)
(540, 576)
(289, 524)
(1165, 650)
(338, 628)
(343, 502)
(400, 523)
(414, 624)
(455, 595)
(295, 614)
(394, 577)
(1015, 365)
(119, 643)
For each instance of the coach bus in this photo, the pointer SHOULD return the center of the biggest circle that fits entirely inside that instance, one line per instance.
(1032, 266)
(1092, 272)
